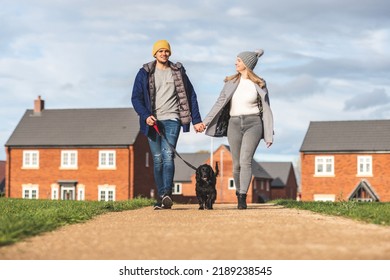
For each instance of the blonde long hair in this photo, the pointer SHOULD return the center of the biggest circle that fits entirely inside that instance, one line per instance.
(251, 76)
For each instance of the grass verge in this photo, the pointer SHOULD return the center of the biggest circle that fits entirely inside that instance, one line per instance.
(22, 218)
(369, 212)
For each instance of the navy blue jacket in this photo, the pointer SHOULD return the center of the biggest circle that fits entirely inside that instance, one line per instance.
(141, 99)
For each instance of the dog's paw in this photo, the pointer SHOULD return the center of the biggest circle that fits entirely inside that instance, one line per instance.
(201, 207)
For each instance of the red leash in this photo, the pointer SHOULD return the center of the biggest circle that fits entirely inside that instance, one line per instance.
(156, 128)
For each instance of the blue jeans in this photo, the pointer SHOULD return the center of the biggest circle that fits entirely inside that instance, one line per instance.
(163, 156)
(244, 135)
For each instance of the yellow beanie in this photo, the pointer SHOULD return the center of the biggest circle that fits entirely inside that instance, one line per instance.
(161, 44)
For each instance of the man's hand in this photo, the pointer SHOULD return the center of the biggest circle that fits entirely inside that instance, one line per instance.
(151, 120)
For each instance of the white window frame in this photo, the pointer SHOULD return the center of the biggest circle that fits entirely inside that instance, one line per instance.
(324, 197)
(177, 188)
(104, 192)
(324, 161)
(364, 165)
(29, 162)
(66, 159)
(55, 192)
(80, 192)
(231, 184)
(30, 189)
(104, 159)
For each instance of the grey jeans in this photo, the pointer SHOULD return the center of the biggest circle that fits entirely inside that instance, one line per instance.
(244, 135)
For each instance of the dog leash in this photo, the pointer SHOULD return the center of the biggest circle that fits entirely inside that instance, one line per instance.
(172, 148)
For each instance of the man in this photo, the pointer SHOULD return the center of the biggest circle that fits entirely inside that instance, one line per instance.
(163, 95)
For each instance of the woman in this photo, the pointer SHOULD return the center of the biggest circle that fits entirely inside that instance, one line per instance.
(242, 112)
(163, 95)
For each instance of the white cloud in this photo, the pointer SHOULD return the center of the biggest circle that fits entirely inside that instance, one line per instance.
(237, 12)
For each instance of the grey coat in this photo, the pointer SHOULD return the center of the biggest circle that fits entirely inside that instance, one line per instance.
(211, 120)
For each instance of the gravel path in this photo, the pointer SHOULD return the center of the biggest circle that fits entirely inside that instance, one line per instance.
(263, 231)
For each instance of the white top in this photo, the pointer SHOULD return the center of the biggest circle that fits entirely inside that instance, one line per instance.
(244, 100)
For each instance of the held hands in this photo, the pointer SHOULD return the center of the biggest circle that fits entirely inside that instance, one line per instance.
(199, 127)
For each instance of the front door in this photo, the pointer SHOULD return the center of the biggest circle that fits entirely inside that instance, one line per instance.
(68, 193)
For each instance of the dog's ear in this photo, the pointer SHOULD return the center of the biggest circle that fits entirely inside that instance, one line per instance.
(216, 169)
(197, 172)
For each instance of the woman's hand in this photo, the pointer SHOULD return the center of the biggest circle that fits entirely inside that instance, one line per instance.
(199, 127)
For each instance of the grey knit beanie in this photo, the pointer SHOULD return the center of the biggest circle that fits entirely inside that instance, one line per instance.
(250, 58)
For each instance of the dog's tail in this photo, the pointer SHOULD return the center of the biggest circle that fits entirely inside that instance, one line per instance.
(216, 169)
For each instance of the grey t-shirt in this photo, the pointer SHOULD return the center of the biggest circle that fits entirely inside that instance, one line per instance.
(166, 99)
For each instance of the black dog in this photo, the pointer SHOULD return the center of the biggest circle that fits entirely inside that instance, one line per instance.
(205, 189)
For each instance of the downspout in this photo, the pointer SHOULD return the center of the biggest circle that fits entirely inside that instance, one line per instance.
(8, 173)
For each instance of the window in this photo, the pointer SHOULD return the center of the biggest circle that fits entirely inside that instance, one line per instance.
(231, 185)
(324, 166)
(107, 159)
(324, 197)
(177, 188)
(30, 159)
(68, 159)
(80, 192)
(54, 192)
(364, 165)
(106, 193)
(30, 191)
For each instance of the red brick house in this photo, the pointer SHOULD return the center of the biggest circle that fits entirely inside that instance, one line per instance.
(261, 189)
(78, 154)
(2, 176)
(346, 160)
(284, 183)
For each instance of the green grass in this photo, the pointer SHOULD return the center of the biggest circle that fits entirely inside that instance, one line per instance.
(369, 212)
(21, 218)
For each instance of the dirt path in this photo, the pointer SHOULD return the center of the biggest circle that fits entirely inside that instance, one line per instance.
(263, 231)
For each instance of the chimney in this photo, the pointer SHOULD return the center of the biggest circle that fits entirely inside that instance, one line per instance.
(39, 105)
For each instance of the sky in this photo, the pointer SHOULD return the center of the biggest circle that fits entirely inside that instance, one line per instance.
(323, 60)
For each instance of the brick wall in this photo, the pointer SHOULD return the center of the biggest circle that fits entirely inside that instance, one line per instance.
(345, 179)
(87, 173)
